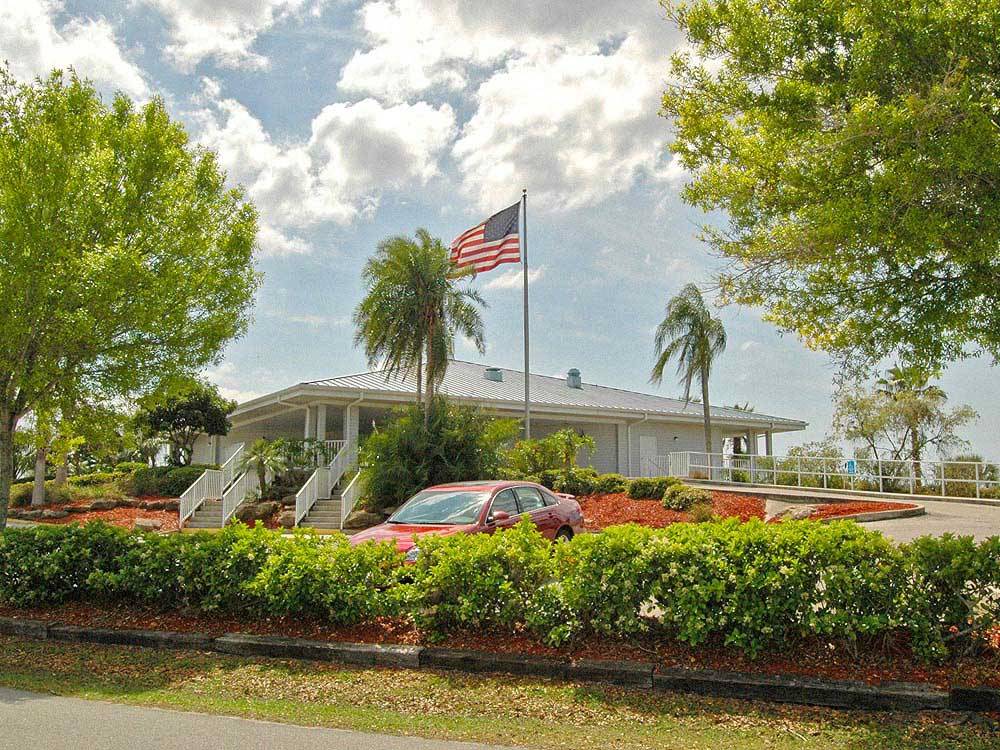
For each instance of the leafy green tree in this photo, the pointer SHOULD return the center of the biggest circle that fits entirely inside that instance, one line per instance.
(855, 147)
(181, 412)
(123, 256)
(689, 334)
(413, 308)
(569, 443)
(911, 384)
(902, 425)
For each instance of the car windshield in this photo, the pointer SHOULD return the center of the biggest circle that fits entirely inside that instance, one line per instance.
(442, 507)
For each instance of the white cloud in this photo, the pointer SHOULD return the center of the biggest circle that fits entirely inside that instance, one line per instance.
(356, 152)
(572, 124)
(640, 267)
(33, 45)
(514, 278)
(221, 29)
(750, 345)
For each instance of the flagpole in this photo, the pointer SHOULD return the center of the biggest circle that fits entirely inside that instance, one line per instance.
(524, 259)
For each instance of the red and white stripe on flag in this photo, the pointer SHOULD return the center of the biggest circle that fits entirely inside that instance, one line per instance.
(487, 245)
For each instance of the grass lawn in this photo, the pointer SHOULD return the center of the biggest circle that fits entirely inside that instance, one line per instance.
(527, 712)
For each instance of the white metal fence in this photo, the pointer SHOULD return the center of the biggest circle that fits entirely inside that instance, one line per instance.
(945, 478)
(349, 497)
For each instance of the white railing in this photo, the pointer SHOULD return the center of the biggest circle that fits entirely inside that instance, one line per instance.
(322, 481)
(237, 492)
(209, 484)
(311, 491)
(349, 497)
(229, 467)
(944, 478)
(333, 447)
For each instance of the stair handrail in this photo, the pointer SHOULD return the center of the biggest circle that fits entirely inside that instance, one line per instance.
(236, 493)
(209, 484)
(229, 467)
(323, 480)
(349, 497)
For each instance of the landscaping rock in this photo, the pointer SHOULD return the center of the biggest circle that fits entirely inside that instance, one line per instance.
(30, 515)
(798, 513)
(250, 512)
(362, 519)
(288, 501)
(85, 508)
(54, 514)
(148, 524)
(172, 504)
(130, 502)
(152, 504)
(106, 504)
(287, 519)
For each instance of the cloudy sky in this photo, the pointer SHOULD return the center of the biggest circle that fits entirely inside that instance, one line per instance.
(350, 120)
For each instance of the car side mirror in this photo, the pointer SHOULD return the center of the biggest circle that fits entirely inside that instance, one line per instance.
(500, 515)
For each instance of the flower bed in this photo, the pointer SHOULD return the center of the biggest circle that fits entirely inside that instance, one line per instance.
(122, 517)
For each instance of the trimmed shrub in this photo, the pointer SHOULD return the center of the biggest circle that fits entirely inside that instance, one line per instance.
(166, 481)
(45, 565)
(324, 576)
(683, 496)
(20, 494)
(478, 581)
(576, 481)
(549, 477)
(130, 467)
(610, 484)
(96, 478)
(650, 488)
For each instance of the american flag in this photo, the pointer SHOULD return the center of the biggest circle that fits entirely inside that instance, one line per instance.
(487, 245)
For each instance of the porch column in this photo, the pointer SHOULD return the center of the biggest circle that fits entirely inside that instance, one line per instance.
(321, 422)
(621, 465)
(769, 443)
(752, 443)
(351, 422)
(310, 424)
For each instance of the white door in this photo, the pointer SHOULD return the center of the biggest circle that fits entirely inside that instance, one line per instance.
(647, 456)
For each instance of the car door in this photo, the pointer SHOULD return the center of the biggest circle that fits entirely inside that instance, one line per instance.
(543, 516)
(506, 501)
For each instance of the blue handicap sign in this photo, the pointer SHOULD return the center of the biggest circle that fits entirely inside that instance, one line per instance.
(852, 466)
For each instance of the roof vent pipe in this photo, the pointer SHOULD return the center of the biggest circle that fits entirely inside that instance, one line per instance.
(494, 373)
(573, 379)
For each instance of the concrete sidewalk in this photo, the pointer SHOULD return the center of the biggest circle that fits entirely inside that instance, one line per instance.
(47, 722)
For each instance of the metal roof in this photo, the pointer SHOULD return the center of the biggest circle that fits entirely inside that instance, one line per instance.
(467, 380)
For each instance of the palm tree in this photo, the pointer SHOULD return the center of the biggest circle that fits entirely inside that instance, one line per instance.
(904, 382)
(263, 457)
(690, 334)
(413, 310)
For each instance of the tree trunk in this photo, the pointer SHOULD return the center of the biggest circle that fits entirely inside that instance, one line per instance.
(705, 408)
(430, 382)
(915, 455)
(6, 466)
(38, 490)
(420, 377)
(62, 473)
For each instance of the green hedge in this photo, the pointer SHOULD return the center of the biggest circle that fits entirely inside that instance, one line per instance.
(650, 488)
(165, 481)
(751, 586)
(98, 477)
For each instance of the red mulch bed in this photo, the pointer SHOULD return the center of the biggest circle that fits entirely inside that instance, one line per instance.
(812, 658)
(601, 511)
(124, 517)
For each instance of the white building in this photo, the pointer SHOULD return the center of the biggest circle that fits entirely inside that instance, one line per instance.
(634, 432)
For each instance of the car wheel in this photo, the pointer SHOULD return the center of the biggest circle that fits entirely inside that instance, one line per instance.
(564, 534)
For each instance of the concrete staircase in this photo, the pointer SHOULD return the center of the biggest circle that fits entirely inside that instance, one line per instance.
(325, 514)
(208, 516)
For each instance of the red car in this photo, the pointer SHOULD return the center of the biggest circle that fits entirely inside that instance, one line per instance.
(476, 508)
